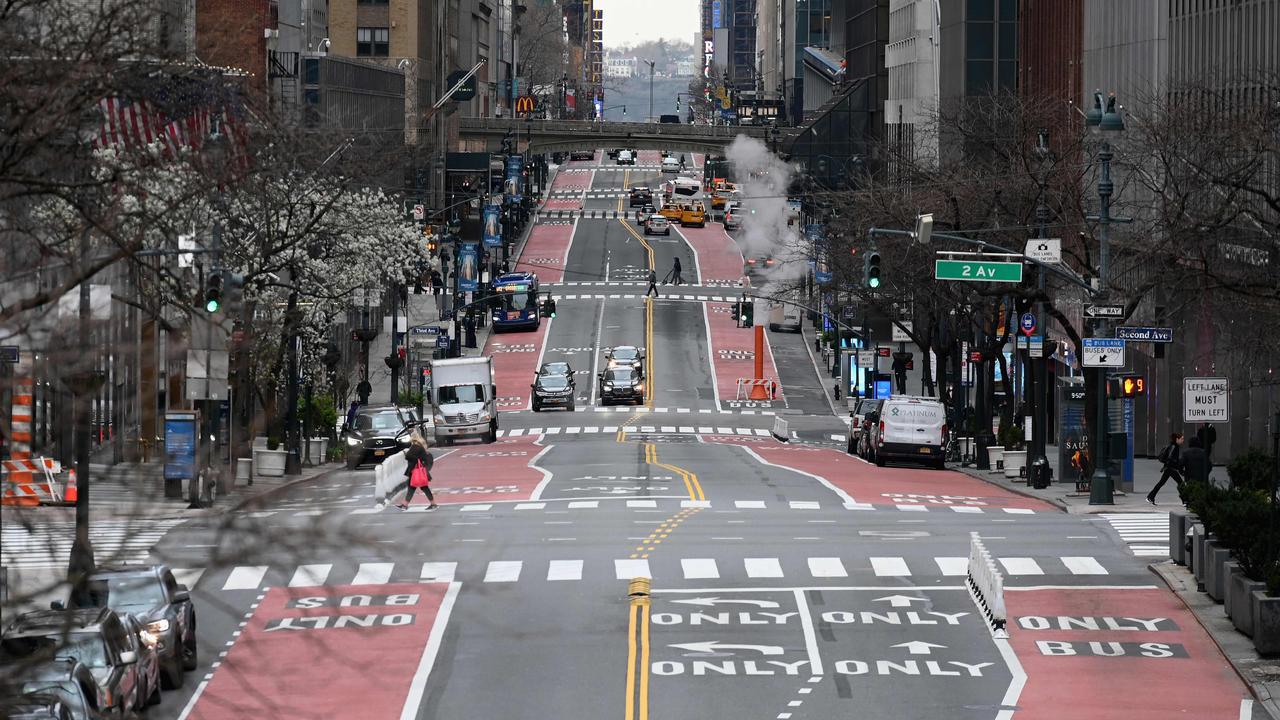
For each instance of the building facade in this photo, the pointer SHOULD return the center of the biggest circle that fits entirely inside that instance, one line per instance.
(912, 61)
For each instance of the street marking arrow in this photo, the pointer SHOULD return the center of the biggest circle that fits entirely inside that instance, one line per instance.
(712, 646)
(900, 600)
(917, 647)
(712, 601)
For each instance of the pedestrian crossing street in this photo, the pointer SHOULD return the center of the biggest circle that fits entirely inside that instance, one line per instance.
(641, 429)
(642, 410)
(663, 294)
(1146, 534)
(655, 505)
(668, 570)
(48, 544)
(705, 284)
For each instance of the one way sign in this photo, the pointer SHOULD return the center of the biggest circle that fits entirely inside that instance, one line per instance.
(1103, 352)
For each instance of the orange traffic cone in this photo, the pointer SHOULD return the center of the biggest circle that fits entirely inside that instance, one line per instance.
(71, 492)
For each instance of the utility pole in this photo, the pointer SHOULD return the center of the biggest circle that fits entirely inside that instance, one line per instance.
(293, 461)
(83, 382)
(1039, 386)
(650, 63)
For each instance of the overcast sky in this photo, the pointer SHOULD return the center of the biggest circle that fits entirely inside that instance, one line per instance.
(627, 22)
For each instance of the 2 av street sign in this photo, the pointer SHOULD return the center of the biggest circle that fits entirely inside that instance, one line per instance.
(1103, 352)
(1104, 311)
(977, 271)
(1145, 334)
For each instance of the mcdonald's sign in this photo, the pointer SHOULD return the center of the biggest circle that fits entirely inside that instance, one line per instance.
(525, 104)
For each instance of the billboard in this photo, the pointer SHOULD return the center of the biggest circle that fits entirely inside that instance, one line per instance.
(492, 226)
(515, 178)
(469, 267)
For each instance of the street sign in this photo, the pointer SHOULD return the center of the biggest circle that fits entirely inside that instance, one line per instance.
(885, 351)
(467, 91)
(1032, 343)
(9, 354)
(977, 271)
(866, 358)
(1205, 399)
(975, 356)
(425, 330)
(1027, 324)
(1045, 250)
(1104, 311)
(419, 212)
(899, 334)
(1145, 334)
(1103, 352)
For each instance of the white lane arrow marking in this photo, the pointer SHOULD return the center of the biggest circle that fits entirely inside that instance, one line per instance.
(712, 601)
(900, 600)
(711, 646)
(917, 647)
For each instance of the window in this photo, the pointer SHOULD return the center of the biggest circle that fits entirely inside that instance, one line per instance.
(371, 2)
(373, 42)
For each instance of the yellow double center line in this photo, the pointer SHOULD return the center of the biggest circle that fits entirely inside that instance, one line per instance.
(691, 483)
(638, 654)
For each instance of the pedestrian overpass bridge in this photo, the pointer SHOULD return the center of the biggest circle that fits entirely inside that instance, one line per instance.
(545, 136)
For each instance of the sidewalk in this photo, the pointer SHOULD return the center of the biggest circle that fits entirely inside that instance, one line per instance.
(1062, 492)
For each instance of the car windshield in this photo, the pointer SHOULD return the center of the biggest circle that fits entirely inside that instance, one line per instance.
(618, 375)
(65, 690)
(87, 647)
(625, 354)
(378, 421)
(450, 394)
(555, 368)
(554, 382)
(137, 591)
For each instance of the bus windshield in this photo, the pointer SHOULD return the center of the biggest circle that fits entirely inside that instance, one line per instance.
(517, 301)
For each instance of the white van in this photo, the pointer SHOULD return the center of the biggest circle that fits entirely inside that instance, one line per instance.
(784, 317)
(912, 429)
(670, 165)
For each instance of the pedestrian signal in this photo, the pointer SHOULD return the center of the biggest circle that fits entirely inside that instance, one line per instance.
(1127, 386)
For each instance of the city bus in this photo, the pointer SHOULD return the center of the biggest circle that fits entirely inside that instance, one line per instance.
(515, 302)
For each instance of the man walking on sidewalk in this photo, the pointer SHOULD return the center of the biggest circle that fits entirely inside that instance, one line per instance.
(653, 284)
(1171, 461)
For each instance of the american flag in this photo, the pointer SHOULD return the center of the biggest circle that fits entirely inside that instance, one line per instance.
(135, 124)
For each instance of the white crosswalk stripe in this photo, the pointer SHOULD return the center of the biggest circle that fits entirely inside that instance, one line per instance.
(1146, 534)
(48, 544)
(255, 577)
(671, 503)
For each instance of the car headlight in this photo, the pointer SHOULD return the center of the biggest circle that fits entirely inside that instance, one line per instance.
(150, 639)
(353, 441)
(640, 387)
(486, 416)
(158, 626)
(608, 386)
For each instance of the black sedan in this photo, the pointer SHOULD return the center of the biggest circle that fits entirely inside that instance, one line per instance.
(553, 391)
(582, 155)
(151, 594)
(621, 384)
(625, 356)
(641, 195)
(379, 432)
(555, 368)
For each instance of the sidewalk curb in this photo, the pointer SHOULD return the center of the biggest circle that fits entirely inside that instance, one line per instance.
(269, 492)
(1259, 690)
(974, 473)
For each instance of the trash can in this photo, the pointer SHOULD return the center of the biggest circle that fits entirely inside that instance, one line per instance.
(244, 470)
(1040, 473)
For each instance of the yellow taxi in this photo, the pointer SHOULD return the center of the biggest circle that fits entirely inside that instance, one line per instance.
(671, 211)
(694, 213)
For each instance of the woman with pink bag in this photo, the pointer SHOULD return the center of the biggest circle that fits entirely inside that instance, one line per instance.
(418, 470)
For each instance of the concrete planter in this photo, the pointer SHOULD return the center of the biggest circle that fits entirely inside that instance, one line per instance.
(1216, 556)
(1266, 622)
(269, 463)
(1180, 522)
(1228, 567)
(1240, 601)
(1197, 554)
(1014, 461)
(995, 453)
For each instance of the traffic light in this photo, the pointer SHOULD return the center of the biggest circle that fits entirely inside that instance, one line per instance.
(233, 289)
(213, 291)
(1126, 386)
(871, 269)
(744, 313)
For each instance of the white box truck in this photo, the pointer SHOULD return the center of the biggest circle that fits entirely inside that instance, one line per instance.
(785, 316)
(463, 399)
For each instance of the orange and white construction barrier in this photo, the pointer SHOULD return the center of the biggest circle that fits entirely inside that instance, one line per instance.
(30, 482)
(762, 389)
(20, 411)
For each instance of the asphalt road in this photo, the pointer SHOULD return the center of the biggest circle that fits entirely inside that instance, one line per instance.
(675, 560)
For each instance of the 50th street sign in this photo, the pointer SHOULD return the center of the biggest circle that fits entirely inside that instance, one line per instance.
(977, 271)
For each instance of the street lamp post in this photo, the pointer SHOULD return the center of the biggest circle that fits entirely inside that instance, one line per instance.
(1039, 386)
(650, 63)
(1101, 491)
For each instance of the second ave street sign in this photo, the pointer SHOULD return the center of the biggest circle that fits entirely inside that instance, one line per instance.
(1145, 334)
(977, 271)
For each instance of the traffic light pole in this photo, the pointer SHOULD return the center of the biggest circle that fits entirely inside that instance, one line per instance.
(1101, 491)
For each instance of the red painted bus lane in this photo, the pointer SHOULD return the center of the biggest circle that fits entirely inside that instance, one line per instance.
(733, 354)
(1123, 653)
(505, 470)
(718, 257)
(546, 251)
(515, 361)
(865, 483)
(338, 651)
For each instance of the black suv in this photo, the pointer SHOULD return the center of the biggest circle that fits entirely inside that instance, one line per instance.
(95, 637)
(379, 431)
(66, 681)
(621, 384)
(553, 391)
(163, 608)
(641, 195)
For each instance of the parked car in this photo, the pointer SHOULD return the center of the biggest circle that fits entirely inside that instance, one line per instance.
(96, 637)
(36, 706)
(858, 424)
(582, 155)
(162, 606)
(625, 356)
(621, 384)
(657, 225)
(641, 195)
(553, 391)
(378, 431)
(910, 428)
(644, 214)
(148, 662)
(69, 681)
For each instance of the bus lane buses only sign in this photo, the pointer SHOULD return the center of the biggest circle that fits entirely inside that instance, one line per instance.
(1205, 399)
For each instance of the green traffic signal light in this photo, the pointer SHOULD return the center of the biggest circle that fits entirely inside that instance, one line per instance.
(211, 305)
(871, 269)
(213, 292)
